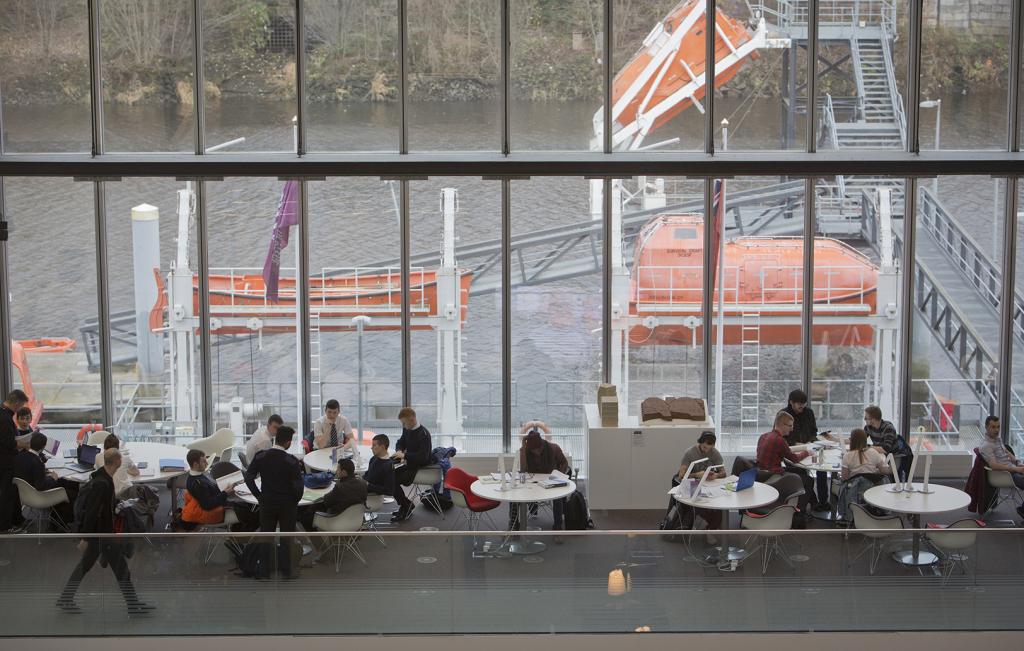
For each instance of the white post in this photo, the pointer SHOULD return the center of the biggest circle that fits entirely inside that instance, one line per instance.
(720, 285)
(360, 322)
(181, 315)
(449, 323)
(146, 257)
(620, 303)
(887, 306)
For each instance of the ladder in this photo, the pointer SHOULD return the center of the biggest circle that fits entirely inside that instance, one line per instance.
(750, 371)
(315, 389)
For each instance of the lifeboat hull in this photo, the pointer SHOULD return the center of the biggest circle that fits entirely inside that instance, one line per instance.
(334, 300)
(762, 276)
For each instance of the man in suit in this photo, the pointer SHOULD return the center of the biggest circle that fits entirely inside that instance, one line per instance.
(413, 448)
(98, 517)
(281, 476)
(30, 466)
(332, 429)
(8, 451)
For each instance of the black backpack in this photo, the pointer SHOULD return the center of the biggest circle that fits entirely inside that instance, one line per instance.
(81, 504)
(577, 515)
(675, 520)
(255, 559)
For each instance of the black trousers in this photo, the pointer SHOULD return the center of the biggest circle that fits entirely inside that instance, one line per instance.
(8, 500)
(403, 477)
(816, 490)
(114, 556)
(284, 517)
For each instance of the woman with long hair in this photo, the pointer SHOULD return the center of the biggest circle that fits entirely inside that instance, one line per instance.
(862, 463)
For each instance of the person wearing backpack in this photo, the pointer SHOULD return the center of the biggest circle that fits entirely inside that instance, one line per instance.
(94, 514)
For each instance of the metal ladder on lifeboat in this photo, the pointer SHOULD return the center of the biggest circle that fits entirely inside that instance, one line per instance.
(750, 371)
(315, 397)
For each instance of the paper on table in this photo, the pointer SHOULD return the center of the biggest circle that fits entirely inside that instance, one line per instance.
(557, 474)
(228, 480)
(312, 495)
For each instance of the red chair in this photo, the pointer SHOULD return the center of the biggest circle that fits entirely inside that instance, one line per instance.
(458, 481)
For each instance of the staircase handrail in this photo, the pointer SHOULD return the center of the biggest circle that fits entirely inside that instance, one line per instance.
(847, 13)
(829, 116)
(894, 92)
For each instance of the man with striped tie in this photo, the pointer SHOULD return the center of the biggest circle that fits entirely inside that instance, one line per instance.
(332, 429)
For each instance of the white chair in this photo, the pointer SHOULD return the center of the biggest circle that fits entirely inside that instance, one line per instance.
(428, 477)
(951, 540)
(230, 518)
(778, 519)
(374, 503)
(1002, 481)
(862, 519)
(348, 521)
(40, 503)
(216, 445)
(97, 438)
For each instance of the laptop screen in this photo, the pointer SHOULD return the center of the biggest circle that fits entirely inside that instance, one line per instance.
(87, 454)
(746, 479)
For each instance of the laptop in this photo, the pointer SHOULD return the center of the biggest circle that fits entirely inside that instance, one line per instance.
(746, 479)
(86, 458)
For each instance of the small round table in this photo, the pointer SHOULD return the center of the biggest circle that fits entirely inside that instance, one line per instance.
(832, 464)
(941, 499)
(522, 496)
(326, 459)
(760, 494)
(150, 454)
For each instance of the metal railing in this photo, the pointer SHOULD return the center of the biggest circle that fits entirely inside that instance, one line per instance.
(832, 13)
(888, 33)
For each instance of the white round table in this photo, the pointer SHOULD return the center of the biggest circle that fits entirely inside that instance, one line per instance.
(759, 494)
(242, 491)
(522, 496)
(324, 459)
(939, 499)
(832, 464)
(150, 454)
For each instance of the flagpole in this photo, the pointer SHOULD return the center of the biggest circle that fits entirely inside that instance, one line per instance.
(719, 344)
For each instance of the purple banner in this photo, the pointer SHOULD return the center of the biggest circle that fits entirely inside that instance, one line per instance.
(287, 216)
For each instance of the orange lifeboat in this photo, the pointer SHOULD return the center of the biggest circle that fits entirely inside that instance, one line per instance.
(763, 275)
(47, 345)
(336, 297)
(683, 67)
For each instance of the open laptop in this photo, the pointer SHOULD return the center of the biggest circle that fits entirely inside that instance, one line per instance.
(746, 479)
(86, 458)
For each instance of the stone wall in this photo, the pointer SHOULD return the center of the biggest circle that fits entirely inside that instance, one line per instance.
(982, 17)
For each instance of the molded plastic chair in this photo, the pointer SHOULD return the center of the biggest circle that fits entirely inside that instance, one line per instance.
(217, 446)
(950, 540)
(348, 521)
(373, 504)
(40, 503)
(472, 507)
(779, 518)
(862, 519)
(243, 459)
(97, 438)
(1002, 482)
(428, 477)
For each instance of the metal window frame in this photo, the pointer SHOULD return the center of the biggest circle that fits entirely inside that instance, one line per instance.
(98, 166)
(5, 293)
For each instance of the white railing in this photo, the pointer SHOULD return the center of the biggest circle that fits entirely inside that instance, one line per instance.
(777, 285)
(895, 96)
(853, 13)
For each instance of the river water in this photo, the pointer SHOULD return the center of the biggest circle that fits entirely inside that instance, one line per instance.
(353, 222)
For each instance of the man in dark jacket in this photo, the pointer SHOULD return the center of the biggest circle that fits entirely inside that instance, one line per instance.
(380, 473)
(8, 450)
(29, 466)
(347, 491)
(280, 491)
(805, 430)
(413, 448)
(98, 517)
(208, 495)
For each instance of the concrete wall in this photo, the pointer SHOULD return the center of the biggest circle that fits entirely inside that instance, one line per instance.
(982, 17)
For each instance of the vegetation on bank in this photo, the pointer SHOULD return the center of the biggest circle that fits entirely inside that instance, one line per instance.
(352, 53)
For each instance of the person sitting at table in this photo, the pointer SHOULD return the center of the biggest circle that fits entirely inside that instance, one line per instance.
(533, 425)
(332, 429)
(772, 449)
(30, 466)
(380, 473)
(805, 430)
(263, 438)
(705, 449)
(127, 470)
(540, 457)
(205, 502)
(886, 440)
(859, 461)
(23, 421)
(347, 490)
(414, 450)
(998, 457)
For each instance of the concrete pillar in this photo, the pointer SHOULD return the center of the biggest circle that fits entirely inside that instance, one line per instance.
(146, 257)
